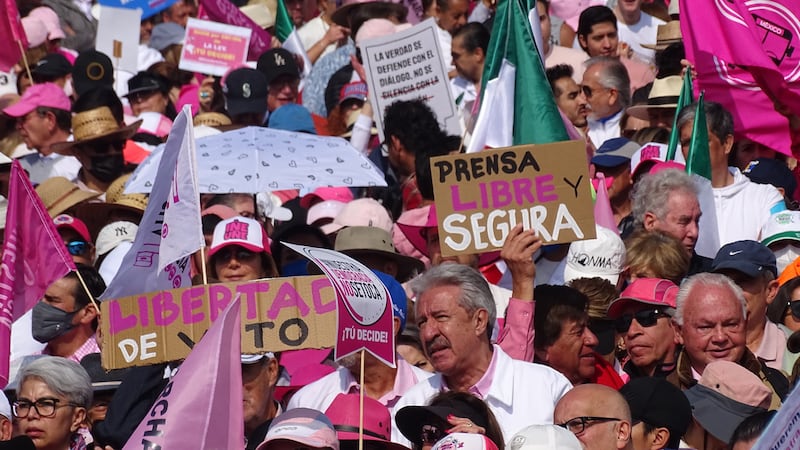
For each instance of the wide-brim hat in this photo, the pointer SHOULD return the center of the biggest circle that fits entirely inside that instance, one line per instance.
(666, 35)
(95, 125)
(342, 14)
(99, 214)
(663, 95)
(411, 419)
(58, 195)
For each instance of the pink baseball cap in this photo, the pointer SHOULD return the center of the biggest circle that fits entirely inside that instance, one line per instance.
(49, 95)
(570, 10)
(321, 194)
(35, 31)
(241, 231)
(302, 425)
(364, 212)
(664, 165)
(650, 291)
(343, 413)
(50, 20)
(65, 221)
(221, 211)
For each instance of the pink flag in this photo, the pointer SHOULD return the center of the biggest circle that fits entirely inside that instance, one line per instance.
(224, 11)
(10, 32)
(201, 407)
(34, 256)
(747, 53)
(603, 214)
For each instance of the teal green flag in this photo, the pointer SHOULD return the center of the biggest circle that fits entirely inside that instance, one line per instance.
(698, 161)
(686, 98)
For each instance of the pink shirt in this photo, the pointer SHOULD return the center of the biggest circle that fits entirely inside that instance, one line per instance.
(773, 345)
(88, 347)
(516, 334)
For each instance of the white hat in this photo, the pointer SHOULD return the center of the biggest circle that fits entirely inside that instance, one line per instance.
(113, 234)
(269, 205)
(781, 226)
(602, 257)
(5, 407)
(544, 437)
(111, 265)
(464, 441)
(328, 209)
(364, 212)
(248, 358)
(241, 231)
(651, 151)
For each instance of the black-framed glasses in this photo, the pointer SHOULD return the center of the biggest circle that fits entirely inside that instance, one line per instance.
(77, 248)
(45, 407)
(646, 318)
(431, 434)
(579, 424)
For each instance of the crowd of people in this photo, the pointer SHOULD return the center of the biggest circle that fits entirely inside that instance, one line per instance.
(677, 327)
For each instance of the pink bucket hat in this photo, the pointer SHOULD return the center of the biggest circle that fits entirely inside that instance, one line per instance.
(49, 95)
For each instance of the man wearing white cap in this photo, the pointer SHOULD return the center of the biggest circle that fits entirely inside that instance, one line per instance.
(259, 376)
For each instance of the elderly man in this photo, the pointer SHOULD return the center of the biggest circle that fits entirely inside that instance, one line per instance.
(742, 207)
(667, 202)
(752, 267)
(44, 118)
(283, 77)
(598, 416)
(642, 315)
(607, 89)
(66, 319)
(455, 314)
(259, 376)
(711, 325)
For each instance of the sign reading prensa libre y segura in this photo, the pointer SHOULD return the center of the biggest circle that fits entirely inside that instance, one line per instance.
(481, 196)
(278, 314)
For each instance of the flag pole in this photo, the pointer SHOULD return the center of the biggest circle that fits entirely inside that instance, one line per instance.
(203, 268)
(86, 289)
(25, 61)
(361, 406)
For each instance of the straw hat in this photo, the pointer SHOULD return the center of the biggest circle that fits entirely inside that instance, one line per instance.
(667, 34)
(664, 94)
(211, 119)
(97, 215)
(95, 125)
(59, 194)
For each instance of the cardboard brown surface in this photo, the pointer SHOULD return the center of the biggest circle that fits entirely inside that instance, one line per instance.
(277, 314)
(480, 196)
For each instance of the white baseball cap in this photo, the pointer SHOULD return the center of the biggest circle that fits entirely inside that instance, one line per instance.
(544, 437)
(602, 257)
(241, 231)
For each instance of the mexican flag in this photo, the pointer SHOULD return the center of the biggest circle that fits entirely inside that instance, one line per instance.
(287, 34)
(517, 105)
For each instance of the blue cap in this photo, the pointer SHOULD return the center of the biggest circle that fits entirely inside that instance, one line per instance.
(614, 152)
(398, 296)
(748, 257)
(772, 171)
(292, 117)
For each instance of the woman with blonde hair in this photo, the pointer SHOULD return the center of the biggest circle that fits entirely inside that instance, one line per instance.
(652, 254)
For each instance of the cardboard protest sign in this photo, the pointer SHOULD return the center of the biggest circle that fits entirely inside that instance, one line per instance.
(120, 41)
(481, 196)
(783, 432)
(277, 314)
(148, 8)
(407, 65)
(364, 318)
(213, 48)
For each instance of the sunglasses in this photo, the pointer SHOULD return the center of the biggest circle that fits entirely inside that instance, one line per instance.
(794, 308)
(646, 318)
(241, 254)
(77, 248)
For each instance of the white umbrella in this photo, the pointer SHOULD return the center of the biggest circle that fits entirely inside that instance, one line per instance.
(257, 159)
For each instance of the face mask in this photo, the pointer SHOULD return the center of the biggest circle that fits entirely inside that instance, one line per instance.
(786, 256)
(49, 322)
(295, 269)
(107, 168)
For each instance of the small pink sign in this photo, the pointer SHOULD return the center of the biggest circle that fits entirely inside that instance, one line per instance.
(364, 318)
(214, 48)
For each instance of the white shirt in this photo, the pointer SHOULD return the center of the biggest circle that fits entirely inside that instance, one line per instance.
(41, 167)
(446, 44)
(521, 394)
(604, 129)
(643, 32)
(743, 208)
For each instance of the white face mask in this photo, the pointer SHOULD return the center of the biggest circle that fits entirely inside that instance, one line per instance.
(786, 256)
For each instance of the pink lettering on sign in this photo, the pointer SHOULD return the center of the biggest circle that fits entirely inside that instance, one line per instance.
(236, 231)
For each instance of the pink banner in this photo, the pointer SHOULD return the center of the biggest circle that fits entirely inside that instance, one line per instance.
(225, 12)
(201, 407)
(10, 32)
(603, 214)
(34, 256)
(747, 53)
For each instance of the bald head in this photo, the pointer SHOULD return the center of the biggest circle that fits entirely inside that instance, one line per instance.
(610, 427)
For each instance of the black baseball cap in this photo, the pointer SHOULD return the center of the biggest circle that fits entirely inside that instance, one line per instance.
(146, 82)
(276, 62)
(245, 91)
(52, 65)
(748, 257)
(92, 69)
(657, 402)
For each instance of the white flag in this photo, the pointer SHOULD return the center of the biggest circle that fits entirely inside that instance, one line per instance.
(139, 270)
(182, 230)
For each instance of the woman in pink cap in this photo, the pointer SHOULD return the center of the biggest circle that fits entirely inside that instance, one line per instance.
(240, 251)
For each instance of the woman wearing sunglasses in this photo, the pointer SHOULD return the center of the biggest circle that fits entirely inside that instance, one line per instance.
(240, 251)
(785, 312)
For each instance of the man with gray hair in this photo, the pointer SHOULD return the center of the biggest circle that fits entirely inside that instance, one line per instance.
(606, 86)
(666, 201)
(455, 314)
(711, 324)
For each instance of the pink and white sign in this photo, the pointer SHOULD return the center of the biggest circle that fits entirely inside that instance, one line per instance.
(214, 48)
(364, 318)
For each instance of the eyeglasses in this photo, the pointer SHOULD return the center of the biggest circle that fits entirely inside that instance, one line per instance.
(45, 407)
(794, 308)
(646, 318)
(241, 254)
(578, 425)
(77, 248)
(431, 434)
(588, 92)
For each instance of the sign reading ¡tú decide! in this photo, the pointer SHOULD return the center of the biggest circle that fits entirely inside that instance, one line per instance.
(481, 196)
(278, 314)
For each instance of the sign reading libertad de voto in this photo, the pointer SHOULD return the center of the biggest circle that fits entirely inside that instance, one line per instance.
(278, 314)
(481, 196)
